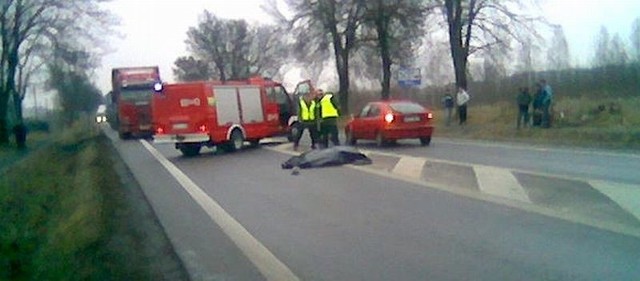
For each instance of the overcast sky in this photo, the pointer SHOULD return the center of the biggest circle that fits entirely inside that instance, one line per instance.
(155, 30)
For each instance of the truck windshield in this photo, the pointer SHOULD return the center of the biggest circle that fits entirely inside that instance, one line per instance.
(136, 95)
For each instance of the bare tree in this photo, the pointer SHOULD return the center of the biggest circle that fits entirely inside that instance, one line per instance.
(635, 39)
(235, 49)
(69, 67)
(191, 69)
(602, 55)
(474, 24)
(398, 26)
(618, 51)
(26, 23)
(558, 55)
(319, 25)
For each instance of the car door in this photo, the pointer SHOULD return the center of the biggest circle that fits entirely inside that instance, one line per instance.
(357, 123)
(370, 124)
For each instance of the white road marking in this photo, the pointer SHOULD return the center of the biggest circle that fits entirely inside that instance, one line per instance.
(533, 147)
(267, 263)
(410, 167)
(625, 195)
(500, 182)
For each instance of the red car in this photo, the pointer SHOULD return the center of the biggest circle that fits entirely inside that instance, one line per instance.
(385, 121)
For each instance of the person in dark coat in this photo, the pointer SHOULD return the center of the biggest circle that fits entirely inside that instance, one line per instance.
(523, 100)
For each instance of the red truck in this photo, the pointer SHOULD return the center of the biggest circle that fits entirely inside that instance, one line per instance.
(222, 114)
(132, 89)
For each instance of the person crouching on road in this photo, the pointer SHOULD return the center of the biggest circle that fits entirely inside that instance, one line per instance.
(329, 112)
(307, 114)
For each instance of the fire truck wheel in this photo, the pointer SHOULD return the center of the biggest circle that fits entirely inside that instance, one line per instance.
(190, 150)
(236, 141)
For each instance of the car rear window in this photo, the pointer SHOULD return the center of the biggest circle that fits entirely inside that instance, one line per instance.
(407, 107)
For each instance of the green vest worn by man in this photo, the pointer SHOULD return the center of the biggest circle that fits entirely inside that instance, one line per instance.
(307, 112)
(328, 110)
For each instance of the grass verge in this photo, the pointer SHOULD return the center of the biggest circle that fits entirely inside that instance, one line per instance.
(606, 123)
(65, 215)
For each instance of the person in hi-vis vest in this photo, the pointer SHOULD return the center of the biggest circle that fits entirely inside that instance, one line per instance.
(307, 117)
(329, 113)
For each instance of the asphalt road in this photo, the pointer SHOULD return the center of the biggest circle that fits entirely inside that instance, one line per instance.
(343, 224)
(581, 163)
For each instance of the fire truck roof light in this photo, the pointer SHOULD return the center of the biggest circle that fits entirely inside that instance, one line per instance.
(157, 87)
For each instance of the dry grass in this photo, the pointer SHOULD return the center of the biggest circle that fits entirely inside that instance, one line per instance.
(611, 123)
(60, 210)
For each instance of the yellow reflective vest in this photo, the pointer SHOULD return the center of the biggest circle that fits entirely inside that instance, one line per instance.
(307, 113)
(327, 108)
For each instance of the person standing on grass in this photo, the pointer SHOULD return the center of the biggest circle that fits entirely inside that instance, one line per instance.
(448, 102)
(462, 99)
(523, 100)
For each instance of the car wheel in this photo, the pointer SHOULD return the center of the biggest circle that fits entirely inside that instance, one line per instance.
(424, 141)
(380, 142)
(350, 139)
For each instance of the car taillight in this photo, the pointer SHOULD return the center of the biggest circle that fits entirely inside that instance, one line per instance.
(203, 128)
(430, 115)
(388, 118)
(159, 130)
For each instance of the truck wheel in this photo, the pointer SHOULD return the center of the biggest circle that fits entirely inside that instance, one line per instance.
(237, 140)
(190, 150)
(424, 141)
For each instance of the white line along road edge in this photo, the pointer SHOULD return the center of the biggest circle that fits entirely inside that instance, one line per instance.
(267, 263)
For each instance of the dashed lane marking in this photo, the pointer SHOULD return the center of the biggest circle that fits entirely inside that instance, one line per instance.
(625, 195)
(267, 263)
(410, 167)
(500, 182)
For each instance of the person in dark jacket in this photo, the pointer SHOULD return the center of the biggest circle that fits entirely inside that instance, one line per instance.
(537, 106)
(523, 100)
(448, 102)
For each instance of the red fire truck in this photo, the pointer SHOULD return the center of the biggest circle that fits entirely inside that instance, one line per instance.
(223, 114)
(132, 89)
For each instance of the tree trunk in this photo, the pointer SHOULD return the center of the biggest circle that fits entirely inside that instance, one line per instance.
(460, 67)
(385, 54)
(386, 73)
(17, 105)
(4, 106)
(343, 78)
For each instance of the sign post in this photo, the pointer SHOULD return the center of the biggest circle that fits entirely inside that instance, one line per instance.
(409, 77)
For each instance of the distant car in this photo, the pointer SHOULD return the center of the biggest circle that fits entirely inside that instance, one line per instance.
(101, 114)
(386, 121)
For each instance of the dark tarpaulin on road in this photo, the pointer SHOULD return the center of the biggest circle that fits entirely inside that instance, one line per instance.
(337, 155)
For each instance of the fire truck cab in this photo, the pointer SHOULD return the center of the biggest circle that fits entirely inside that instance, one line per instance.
(222, 114)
